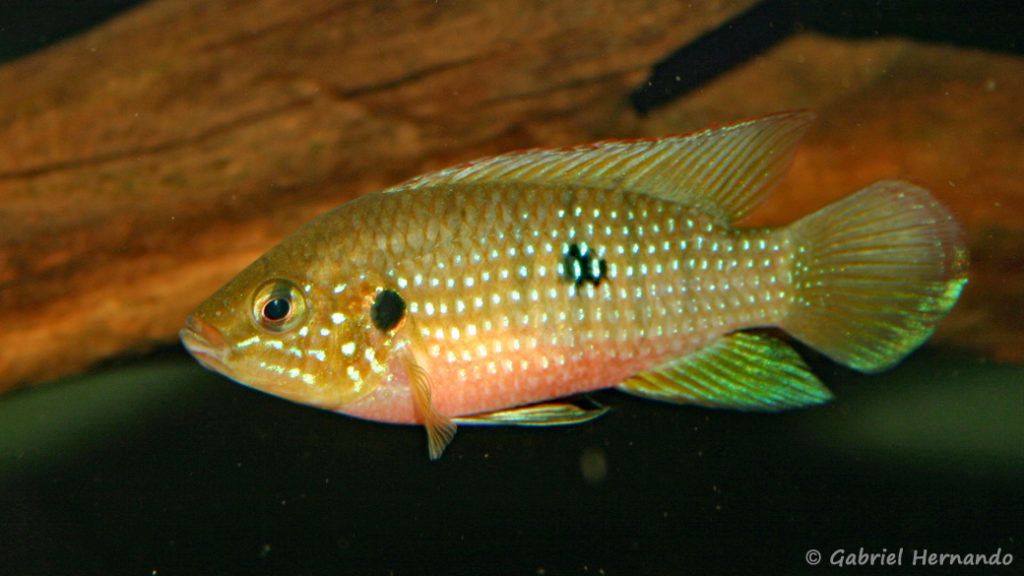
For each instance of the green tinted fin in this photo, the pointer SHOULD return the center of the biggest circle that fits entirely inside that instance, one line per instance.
(725, 170)
(555, 414)
(740, 371)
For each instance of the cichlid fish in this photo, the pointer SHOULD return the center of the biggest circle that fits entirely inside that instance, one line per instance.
(475, 294)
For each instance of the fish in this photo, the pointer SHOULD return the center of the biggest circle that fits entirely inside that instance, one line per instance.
(490, 292)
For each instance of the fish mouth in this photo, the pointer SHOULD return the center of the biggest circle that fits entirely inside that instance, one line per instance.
(205, 343)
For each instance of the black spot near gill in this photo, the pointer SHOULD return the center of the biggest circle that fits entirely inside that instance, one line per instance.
(579, 265)
(387, 310)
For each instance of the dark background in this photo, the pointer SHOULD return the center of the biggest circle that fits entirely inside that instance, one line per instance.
(159, 467)
(155, 466)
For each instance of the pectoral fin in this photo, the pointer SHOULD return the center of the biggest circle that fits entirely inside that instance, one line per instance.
(740, 371)
(440, 429)
(556, 414)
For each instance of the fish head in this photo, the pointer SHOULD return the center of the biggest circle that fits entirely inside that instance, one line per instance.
(276, 329)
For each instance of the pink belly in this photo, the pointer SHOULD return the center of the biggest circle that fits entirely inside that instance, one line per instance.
(509, 378)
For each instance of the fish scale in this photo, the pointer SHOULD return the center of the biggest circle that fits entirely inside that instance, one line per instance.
(495, 311)
(483, 293)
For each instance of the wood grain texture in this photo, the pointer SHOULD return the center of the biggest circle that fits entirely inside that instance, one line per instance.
(146, 162)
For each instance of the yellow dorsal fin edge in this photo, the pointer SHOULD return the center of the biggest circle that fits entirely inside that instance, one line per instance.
(725, 170)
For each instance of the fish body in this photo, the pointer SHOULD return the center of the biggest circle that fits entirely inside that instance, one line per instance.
(472, 294)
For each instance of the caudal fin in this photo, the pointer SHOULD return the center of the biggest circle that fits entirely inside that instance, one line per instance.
(874, 273)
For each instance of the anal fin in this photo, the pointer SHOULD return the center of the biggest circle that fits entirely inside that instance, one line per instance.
(552, 414)
(741, 371)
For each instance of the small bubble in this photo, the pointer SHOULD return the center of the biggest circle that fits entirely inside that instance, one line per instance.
(594, 465)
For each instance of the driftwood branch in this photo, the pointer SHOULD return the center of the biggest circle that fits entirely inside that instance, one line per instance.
(144, 163)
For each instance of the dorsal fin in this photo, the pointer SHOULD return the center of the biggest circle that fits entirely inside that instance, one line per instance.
(725, 170)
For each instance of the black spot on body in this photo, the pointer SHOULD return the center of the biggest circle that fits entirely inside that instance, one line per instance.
(580, 266)
(387, 310)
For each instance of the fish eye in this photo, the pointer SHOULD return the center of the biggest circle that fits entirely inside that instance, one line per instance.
(278, 306)
(277, 309)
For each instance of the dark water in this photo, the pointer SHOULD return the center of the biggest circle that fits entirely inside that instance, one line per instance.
(160, 467)
(30, 25)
